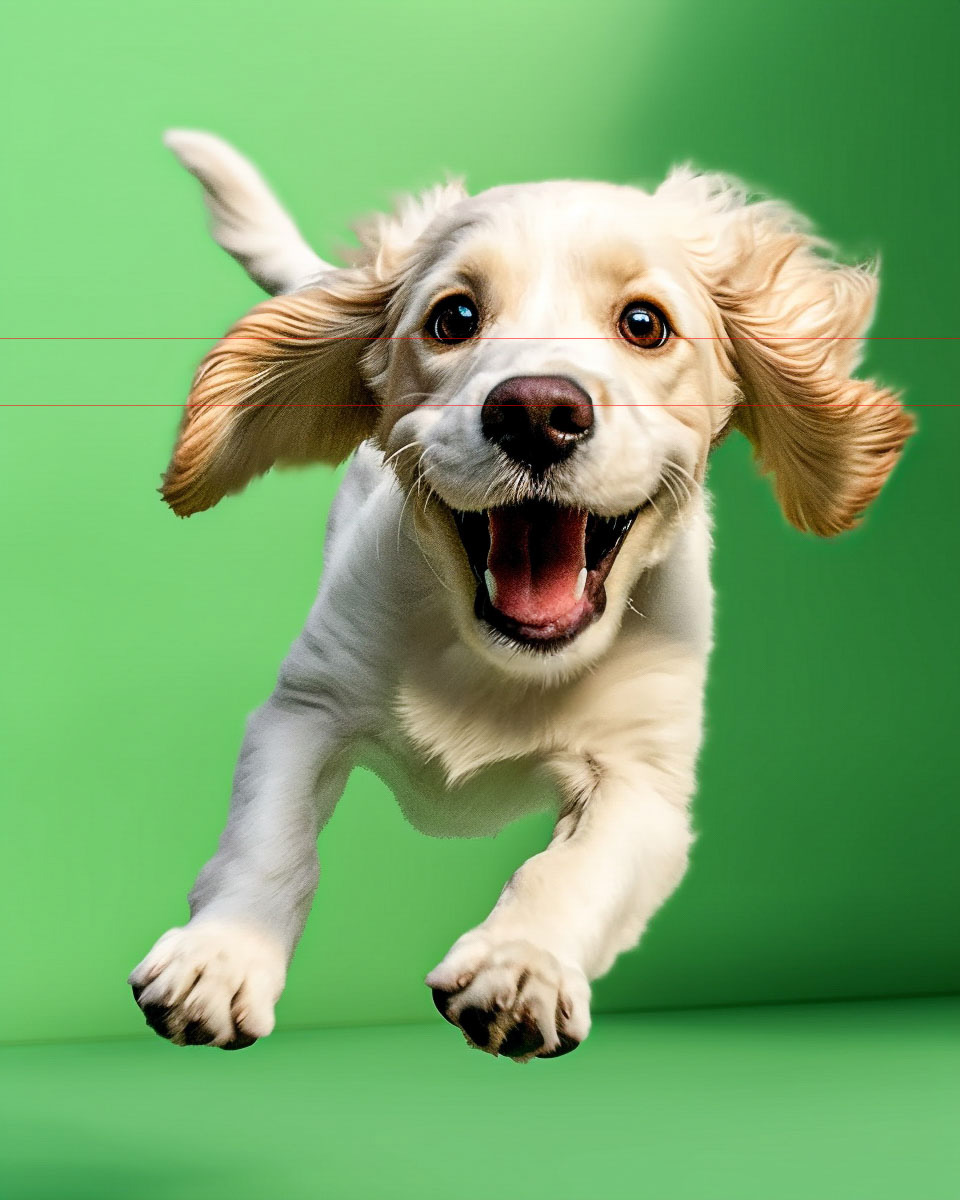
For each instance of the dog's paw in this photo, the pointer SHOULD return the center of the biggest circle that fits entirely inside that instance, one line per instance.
(211, 983)
(512, 998)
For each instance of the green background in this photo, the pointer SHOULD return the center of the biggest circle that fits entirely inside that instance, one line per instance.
(135, 644)
(819, 1102)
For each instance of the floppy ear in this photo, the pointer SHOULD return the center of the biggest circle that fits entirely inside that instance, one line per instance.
(795, 322)
(283, 386)
(287, 383)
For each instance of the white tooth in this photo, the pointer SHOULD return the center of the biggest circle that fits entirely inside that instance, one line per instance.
(491, 585)
(581, 584)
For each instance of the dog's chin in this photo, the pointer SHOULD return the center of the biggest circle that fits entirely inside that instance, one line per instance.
(545, 638)
(540, 572)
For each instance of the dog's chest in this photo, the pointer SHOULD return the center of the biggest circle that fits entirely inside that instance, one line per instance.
(458, 757)
(477, 806)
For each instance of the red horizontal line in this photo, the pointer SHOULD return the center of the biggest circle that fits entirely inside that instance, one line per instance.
(479, 404)
(418, 337)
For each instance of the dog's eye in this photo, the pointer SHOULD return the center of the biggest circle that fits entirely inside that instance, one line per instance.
(643, 325)
(453, 319)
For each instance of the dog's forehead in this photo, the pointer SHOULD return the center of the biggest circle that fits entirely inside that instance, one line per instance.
(605, 230)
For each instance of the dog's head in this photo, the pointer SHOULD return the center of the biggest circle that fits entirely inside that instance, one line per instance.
(546, 368)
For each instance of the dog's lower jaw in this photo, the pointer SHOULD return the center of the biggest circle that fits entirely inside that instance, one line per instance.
(541, 568)
(535, 640)
(558, 661)
(520, 661)
(540, 639)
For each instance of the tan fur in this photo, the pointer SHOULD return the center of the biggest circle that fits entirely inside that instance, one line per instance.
(263, 395)
(285, 385)
(794, 323)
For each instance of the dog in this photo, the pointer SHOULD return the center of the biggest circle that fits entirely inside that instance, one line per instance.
(515, 609)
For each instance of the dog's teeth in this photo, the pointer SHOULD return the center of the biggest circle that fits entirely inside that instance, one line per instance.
(491, 583)
(581, 584)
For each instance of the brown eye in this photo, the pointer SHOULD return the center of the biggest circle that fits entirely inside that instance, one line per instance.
(643, 325)
(453, 319)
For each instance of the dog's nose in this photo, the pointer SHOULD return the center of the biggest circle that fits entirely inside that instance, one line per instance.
(537, 419)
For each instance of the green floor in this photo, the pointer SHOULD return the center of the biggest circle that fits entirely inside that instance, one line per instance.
(813, 1102)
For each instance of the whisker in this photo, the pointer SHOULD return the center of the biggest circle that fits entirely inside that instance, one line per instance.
(403, 508)
(682, 486)
(420, 480)
(692, 483)
(429, 495)
(668, 483)
(656, 509)
(397, 453)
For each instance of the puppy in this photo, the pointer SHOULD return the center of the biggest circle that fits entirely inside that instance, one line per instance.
(516, 604)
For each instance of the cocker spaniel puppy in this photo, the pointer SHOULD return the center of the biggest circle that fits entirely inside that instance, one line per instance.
(516, 589)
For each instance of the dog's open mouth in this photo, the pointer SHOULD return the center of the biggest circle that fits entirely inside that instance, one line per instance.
(540, 568)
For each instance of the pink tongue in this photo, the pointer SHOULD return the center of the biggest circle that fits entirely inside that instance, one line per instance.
(536, 555)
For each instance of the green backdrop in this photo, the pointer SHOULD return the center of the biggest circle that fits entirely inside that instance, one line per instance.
(136, 644)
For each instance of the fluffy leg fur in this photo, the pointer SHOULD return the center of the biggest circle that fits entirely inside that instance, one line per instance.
(518, 984)
(216, 980)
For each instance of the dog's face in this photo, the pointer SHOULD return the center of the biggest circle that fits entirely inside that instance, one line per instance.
(546, 367)
(551, 391)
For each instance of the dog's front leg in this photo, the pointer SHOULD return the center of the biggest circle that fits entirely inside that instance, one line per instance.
(216, 980)
(518, 984)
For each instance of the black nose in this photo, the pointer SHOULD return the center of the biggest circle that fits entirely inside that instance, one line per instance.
(537, 419)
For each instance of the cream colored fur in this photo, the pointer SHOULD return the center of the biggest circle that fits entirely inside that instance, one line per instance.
(393, 669)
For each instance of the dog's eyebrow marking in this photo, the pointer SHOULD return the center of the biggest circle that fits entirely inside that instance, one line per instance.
(622, 269)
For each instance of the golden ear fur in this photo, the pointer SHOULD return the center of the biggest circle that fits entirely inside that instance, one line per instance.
(281, 387)
(794, 322)
(286, 384)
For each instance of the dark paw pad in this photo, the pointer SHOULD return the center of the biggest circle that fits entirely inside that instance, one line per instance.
(521, 1040)
(441, 1001)
(567, 1045)
(240, 1042)
(154, 1014)
(475, 1023)
(196, 1034)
